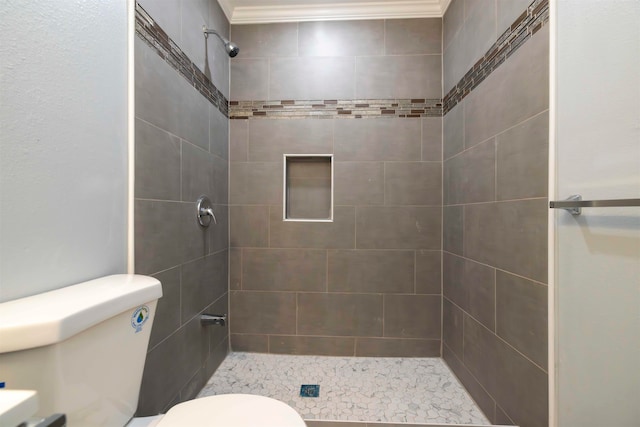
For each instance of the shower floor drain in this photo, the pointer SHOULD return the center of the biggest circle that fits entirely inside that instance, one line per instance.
(309, 390)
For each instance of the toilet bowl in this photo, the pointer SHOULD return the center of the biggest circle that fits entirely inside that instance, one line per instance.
(226, 410)
(89, 343)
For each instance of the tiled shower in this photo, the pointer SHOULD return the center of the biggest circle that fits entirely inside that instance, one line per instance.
(437, 246)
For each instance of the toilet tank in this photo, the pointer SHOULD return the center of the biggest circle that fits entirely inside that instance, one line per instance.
(81, 347)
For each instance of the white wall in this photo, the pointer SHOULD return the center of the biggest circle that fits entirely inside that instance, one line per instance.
(63, 143)
(597, 254)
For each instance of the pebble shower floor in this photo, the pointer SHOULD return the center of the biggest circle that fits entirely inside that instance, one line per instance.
(392, 390)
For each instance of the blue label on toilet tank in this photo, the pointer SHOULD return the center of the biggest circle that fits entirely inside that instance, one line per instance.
(139, 317)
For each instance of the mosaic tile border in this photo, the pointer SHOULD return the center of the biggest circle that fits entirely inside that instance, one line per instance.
(329, 109)
(156, 38)
(522, 29)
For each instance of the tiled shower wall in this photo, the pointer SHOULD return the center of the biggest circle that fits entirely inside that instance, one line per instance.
(181, 153)
(495, 216)
(368, 283)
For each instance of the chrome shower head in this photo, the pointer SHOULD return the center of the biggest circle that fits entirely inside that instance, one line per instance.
(232, 49)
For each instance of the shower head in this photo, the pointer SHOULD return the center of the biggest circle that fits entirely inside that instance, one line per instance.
(231, 48)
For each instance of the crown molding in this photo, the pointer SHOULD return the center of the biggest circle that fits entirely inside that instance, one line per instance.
(334, 11)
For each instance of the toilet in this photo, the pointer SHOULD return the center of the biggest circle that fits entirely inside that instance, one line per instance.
(83, 347)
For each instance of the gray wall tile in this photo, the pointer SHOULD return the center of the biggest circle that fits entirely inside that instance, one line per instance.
(284, 270)
(358, 183)
(339, 314)
(452, 21)
(502, 418)
(471, 286)
(413, 36)
(250, 343)
(397, 347)
(503, 100)
(309, 198)
(523, 160)
(455, 63)
(218, 335)
(167, 318)
(311, 78)
(197, 172)
(235, 268)
(256, 183)
(471, 176)
(475, 389)
(218, 133)
(217, 64)
(158, 230)
(202, 281)
(523, 393)
(480, 29)
(167, 234)
(249, 226)
(309, 168)
(381, 77)
(453, 138)
(266, 40)
(220, 180)
(412, 316)
(360, 148)
(238, 140)
(195, 240)
(432, 139)
(341, 38)
(256, 312)
(377, 140)
(215, 359)
(371, 271)
(453, 228)
(269, 140)
(322, 346)
(398, 227)
(338, 234)
(521, 315)
(250, 79)
(157, 86)
(166, 14)
(194, 115)
(509, 235)
(480, 353)
(163, 376)
(428, 272)
(218, 20)
(217, 235)
(452, 328)
(413, 183)
(157, 174)
(217, 58)
(509, 11)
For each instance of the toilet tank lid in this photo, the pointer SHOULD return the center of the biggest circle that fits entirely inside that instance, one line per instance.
(56, 315)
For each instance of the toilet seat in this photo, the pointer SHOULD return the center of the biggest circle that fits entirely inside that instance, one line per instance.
(232, 410)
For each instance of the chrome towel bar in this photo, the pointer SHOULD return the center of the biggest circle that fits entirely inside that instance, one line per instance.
(574, 204)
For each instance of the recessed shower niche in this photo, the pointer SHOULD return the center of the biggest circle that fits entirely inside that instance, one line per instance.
(308, 187)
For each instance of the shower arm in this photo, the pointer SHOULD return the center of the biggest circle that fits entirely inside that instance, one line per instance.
(207, 31)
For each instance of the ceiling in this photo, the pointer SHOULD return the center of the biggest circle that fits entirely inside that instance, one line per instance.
(264, 11)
